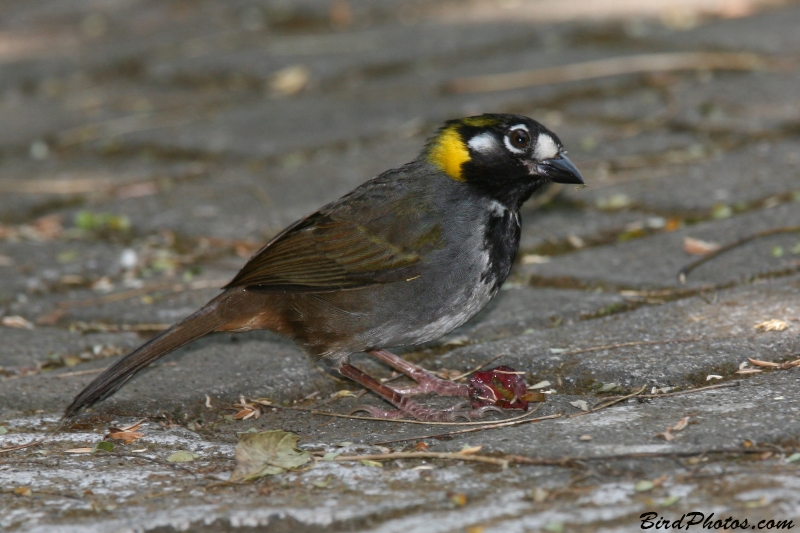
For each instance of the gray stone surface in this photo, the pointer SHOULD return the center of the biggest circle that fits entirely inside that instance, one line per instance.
(167, 116)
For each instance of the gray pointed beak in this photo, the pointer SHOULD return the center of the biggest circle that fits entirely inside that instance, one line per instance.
(560, 170)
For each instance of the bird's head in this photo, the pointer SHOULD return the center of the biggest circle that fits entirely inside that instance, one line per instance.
(506, 156)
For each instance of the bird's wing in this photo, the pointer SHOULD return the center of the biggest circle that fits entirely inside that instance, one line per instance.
(363, 240)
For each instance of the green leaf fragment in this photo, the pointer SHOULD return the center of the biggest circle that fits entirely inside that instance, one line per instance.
(792, 458)
(266, 454)
(182, 456)
(3, 430)
(670, 501)
(554, 527)
(331, 456)
(644, 486)
(367, 462)
(104, 446)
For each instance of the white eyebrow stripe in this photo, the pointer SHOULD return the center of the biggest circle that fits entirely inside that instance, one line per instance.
(546, 147)
(484, 143)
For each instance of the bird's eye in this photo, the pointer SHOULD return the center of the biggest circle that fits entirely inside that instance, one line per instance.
(519, 138)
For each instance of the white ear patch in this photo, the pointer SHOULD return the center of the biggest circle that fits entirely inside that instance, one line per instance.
(546, 147)
(483, 143)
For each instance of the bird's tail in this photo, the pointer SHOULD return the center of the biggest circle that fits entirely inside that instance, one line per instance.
(204, 321)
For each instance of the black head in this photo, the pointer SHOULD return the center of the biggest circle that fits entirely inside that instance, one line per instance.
(506, 156)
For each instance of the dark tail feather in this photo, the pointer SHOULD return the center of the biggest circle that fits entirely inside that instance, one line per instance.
(187, 330)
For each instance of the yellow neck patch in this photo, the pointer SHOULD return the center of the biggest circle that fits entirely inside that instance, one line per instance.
(448, 152)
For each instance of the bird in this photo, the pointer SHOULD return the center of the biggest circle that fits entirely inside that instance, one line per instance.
(401, 260)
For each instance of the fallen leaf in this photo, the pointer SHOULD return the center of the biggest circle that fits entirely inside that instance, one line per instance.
(792, 458)
(534, 397)
(470, 450)
(267, 453)
(290, 80)
(697, 247)
(368, 462)
(585, 438)
(103, 446)
(748, 371)
(79, 450)
(540, 385)
(773, 324)
(3, 430)
(16, 321)
(643, 486)
(459, 499)
(670, 501)
(580, 404)
(125, 436)
(756, 362)
(538, 495)
(22, 491)
(182, 456)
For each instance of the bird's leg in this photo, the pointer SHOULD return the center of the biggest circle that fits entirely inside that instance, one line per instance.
(427, 382)
(406, 405)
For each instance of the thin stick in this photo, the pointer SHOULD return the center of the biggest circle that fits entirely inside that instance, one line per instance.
(690, 391)
(23, 446)
(398, 420)
(615, 66)
(482, 365)
(609, 403)
(426, 455)
(473, 430)
(627, 344)
(571, 460)
(685, 271)
(133, 293)
(78, 373)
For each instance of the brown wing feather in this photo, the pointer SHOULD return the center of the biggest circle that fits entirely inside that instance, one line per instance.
(323, 254)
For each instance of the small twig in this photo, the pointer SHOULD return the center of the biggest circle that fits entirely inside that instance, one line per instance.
(685, 271)
(513, 422)
(610, 403)
(688, 391)
(426, 455)
(77, 373)
(115, 328)
(23, 446)
(615, 66)
(572, 461)
(627, 344)
(133, 293)
(482, 365)
(398, 420)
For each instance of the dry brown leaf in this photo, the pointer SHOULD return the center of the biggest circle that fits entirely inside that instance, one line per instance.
(679, 426)
(244, 414)
(682, 423)
(134, 426)
(773, 324)
(16, 321)
(125, 436)
(756, 362)
(748, 371)
(78, 450)
(470, 450)
(698, 247)
(23, 491)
